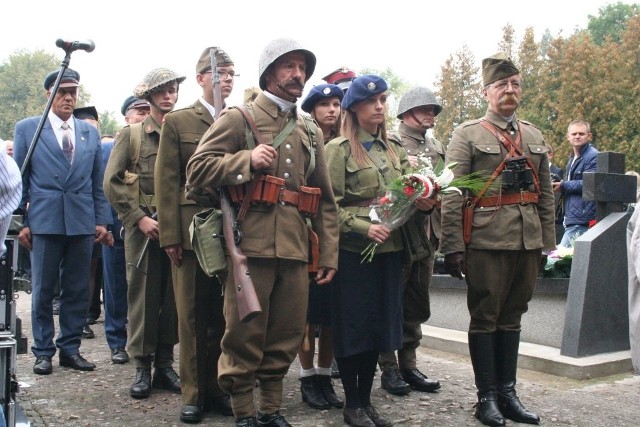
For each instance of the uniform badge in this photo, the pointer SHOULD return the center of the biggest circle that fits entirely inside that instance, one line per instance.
(371, 86)
(326, 91)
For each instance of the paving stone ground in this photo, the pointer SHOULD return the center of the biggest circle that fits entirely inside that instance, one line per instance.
(69, 398)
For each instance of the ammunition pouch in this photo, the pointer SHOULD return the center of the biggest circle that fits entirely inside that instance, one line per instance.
(270, 190)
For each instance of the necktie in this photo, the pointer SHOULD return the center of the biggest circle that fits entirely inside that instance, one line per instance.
(67, 145)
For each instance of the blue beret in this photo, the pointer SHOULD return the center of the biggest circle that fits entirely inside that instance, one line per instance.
(320, 92)
(70, 78)
(133, 102)
(363, 88)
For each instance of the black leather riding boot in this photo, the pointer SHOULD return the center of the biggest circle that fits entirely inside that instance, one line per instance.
(507, 344)
(481, 350)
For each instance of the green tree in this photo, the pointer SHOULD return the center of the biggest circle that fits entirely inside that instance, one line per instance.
(21, 87)
(508, 40)
(459, 90)
(611, 21)
(109, 124)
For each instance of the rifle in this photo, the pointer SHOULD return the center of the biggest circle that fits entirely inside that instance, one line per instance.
(246, 299)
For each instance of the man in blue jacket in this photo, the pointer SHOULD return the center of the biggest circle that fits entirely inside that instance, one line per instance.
(577, 212)
(67, 213)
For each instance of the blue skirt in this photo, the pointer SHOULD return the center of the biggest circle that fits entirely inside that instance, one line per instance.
(366, 304)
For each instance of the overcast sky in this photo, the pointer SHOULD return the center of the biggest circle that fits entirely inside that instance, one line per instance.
(413, 38)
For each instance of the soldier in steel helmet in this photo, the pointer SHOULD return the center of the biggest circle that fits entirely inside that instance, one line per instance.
(274, 234)
(496, 243)
(129, 186)
(417, 110)
(198, 297)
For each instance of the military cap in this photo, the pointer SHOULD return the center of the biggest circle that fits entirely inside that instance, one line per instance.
(70, 78)
(341, 77)
(133, 102)
(496, 67)
(204, 63)
(277, 48)
(363, 88)
(89, 112)
(319, 92)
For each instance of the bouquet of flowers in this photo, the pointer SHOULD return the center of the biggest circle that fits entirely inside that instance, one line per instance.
(397, 205)
(558, 263)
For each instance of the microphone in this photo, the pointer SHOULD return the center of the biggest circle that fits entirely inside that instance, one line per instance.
(70, 46)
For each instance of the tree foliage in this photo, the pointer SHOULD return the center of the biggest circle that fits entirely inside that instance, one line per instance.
(21, 88)
(611, 22)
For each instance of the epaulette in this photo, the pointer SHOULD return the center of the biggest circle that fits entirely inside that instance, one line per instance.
(524, 122)
(471, 122)
(395, 137)
(394, 140)
(338, 140)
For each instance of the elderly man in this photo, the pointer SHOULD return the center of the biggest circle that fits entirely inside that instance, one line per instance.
(275, 234)
(498, 241)
(67, 213)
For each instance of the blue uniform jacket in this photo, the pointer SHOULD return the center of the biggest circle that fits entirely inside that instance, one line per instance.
(576, 210)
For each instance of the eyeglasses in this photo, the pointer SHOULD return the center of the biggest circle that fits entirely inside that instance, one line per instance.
(225, 74)
(503, 84)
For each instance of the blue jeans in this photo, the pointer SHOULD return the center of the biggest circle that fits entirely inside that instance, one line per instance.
(115, 295)
(571, 233)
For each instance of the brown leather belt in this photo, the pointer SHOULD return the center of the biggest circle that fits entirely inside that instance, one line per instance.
(522, 198)
(289, 197)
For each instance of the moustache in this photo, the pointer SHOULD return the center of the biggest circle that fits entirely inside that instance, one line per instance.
(510, 98)
(291, 84)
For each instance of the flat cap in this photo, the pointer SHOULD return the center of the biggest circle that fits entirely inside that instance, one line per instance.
(204, 63)
(496, 67)
(363, 88)
(133, 102)
(70, 78)
(89, 112)
(323, 91)
(341, 77)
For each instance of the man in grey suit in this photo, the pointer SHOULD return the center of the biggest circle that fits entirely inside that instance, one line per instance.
(66, 212)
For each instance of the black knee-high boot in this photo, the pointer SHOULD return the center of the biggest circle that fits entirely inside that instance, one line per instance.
(481, 350)
(507, 344)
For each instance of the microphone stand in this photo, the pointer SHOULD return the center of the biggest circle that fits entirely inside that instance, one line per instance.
(24, 170)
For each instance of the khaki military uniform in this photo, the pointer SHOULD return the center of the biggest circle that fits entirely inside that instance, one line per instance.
(152, 310)
(502, 259)
(417, 274)
(275, 242)
(366, 297)
(198, 297)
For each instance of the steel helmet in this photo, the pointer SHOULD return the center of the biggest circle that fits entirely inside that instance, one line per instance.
(154, 79)
(417, 97)
(275, 50)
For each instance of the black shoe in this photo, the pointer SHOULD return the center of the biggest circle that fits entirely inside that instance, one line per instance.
(77, 362)
(119, 356)
(166, 379)
(190, 414)
(87, 332)
(91, 321)
(377, 417)
(419, 381)
(393, 382)
(312, 394)
(511, 407)
(324, 383)
(335, 372)
(357, 417)
(141, 387)
(247, 422)
(487, 410)
(43, 365)
(220, 404)
(272, 420)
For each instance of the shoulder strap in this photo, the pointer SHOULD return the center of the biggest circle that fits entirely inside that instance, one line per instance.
(382, 167)
(135, 141)
(311, 131)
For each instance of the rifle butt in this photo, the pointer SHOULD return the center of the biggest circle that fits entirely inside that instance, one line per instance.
(246, 299)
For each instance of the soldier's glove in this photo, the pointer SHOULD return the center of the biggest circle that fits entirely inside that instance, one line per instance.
(454, 264)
